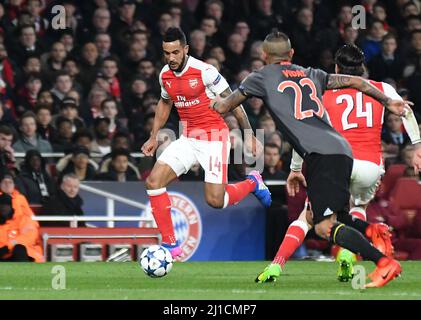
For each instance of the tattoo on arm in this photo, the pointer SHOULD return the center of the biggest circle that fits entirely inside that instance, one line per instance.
(338, 81)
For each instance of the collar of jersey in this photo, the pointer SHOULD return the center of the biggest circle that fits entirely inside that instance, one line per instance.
(186, 67)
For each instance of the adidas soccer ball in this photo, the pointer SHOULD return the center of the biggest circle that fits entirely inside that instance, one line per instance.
(156, 261)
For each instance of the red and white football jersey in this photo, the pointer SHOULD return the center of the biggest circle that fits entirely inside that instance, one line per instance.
(191, 90)
(359, 118)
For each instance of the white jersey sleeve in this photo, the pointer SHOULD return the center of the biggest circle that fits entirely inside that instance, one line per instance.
(409, 120)
(390, 92)
(213, 80)
(164, 93)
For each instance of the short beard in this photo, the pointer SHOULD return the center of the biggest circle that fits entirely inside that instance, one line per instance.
(181, 66)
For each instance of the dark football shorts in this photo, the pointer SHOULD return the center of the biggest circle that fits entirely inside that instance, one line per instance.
(328, 179)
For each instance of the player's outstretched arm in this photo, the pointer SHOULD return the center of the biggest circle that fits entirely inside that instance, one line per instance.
(338, 81)
(162, 113)
(228, 103)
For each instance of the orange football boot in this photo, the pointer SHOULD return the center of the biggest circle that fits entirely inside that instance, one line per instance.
(380, 236)
(387, 269)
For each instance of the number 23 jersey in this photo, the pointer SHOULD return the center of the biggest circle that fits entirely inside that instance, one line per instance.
(293, 96)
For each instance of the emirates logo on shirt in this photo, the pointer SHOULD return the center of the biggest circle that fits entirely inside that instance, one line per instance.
(193, 83)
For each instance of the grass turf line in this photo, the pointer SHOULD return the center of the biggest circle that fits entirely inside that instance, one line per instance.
(198, 280)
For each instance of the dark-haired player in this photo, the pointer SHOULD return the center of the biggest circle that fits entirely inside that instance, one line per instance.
(190, 84)
(293, 96)
(359, 118)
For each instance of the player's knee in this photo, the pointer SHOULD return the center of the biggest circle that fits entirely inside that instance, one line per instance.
(215, 201)
(152, 183)
(323, 228)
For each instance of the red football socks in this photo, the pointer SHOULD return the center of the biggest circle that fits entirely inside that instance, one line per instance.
(236, 192)
(293, 239)
(161, 210)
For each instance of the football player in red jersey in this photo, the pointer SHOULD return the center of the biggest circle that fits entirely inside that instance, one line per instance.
(189, 84)
(359, 118)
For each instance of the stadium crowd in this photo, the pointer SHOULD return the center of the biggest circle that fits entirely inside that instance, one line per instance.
(90, 90)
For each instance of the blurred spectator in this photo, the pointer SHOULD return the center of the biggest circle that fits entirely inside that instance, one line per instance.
(67, 201)
(89, 64)
(326, 61)
(29, 138)
(62, 85)
(7, 157)
(62, 142)
(45, 97)
(7, 185)
(6, 70)
(7, 118)
(392, 133)
(121, 25)
(110, 70)
(27, 44)
(372, 45)
(79, 164)
(304, 38)
(93, 108)
(118, 168)
(32, 64)
(255, 109)
(44, 127)
(102, 142)
(54, 60)
(35, 8)
(267, 124)
(71, 67)
(110, 110)
(388, 63)
(265, 19)
(273, 164)
(235, 55)
(133, 102)
(197, 44)
(148, 73)
(101, 21)
(209, 25)
(19, 234)
(348, 36)
(28, 95)
(83, 137)
(412, 61)
(103, 43)
(33, 181)
(69, 110)
(68, 40)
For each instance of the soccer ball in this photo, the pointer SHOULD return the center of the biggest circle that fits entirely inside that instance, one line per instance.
(156, 261)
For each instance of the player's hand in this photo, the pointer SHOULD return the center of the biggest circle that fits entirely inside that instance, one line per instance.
(150, 147)
(293, 182)
(416, 159)
(399, 107)
(254, 146)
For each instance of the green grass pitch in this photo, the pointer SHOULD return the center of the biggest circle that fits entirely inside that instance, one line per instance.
(197, 280)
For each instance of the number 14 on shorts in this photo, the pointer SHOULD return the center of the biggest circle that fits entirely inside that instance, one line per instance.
(214, 163)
